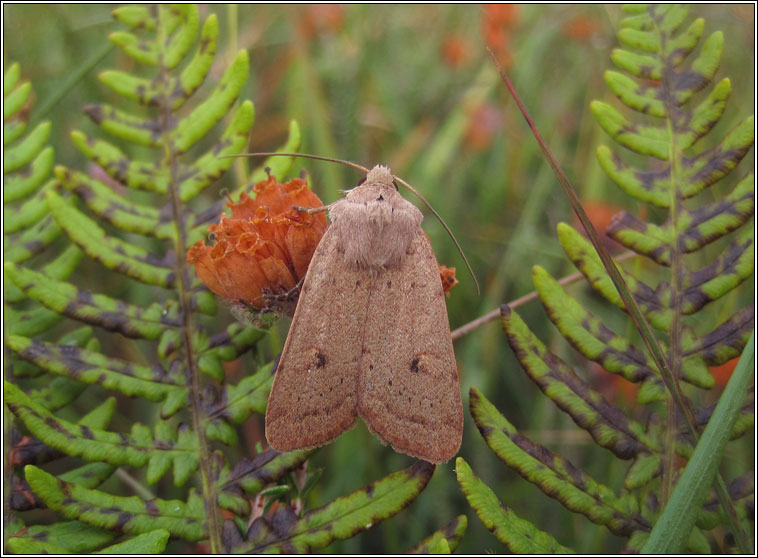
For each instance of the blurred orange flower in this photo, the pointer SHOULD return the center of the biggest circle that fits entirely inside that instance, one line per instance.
(582, 28)
(613, 387)
(723, 372)
(601, 213)
(264, 249)
(498, 21)
(321, 18)
(454, 51)
(447, 274)
(484, 122)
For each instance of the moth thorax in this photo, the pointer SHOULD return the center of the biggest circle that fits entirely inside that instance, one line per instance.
(380, 173)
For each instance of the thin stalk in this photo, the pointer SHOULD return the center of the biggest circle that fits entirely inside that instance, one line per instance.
(51, 102)
(495, 314)
(139, 489)
(187, 329)
(646, 332)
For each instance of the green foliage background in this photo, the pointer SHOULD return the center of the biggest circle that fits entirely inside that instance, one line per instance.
(376, 88)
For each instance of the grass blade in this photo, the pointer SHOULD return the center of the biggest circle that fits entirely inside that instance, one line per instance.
(675, 523)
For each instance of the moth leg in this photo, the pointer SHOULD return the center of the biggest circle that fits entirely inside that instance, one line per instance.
(312, 210)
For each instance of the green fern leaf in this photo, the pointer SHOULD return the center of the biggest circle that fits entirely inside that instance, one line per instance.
(19, 186)
(130, 515)
(552, 474)
(653, 302)
(99, 310)
(153, 542)
(519, 535)
(115, 209)
(681, 511)
(69, 537)
(608, 426)
(113, 253)
(341, 519)
(93, 368)
(141, 448)
(253, 475)
(588, 334)
(444, 541)
(29, 231)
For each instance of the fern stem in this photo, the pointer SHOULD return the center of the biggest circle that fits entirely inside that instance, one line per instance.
(679, 271)
(141, 490)
(187, 327)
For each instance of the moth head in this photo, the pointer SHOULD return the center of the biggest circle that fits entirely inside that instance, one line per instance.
(382, 175)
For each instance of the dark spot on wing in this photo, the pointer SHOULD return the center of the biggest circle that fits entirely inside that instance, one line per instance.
(414, 365)
(320, 359)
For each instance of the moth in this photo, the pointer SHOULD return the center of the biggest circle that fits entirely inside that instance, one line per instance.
(370, 337)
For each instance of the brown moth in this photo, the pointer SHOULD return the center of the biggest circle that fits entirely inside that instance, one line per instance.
(370, 336)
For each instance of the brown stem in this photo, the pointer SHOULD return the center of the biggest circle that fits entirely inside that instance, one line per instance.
(494, 314)
(187, 329)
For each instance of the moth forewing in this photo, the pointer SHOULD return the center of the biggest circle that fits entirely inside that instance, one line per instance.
(370, 335)
(408, 390)
(313, 398)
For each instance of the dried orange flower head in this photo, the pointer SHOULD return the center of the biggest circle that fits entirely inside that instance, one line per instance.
(447, 274)
(262, 251)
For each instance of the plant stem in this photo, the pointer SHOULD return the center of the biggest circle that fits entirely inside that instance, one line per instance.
(193, 373)
(494, 314)
(51, 102)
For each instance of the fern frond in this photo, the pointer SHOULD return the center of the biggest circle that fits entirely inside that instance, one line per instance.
(130, 515)
(152, 330)
(70, 537)
(521, 536)
(341, 519)
(443, 541)
(664, 65)
(553, 474)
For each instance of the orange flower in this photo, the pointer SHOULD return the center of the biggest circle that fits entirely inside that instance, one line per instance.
(613, 387)
(581, 28)
(321, 19)
(447, 274)
(723, 372)
(454, 51)
(601, 213)
(498, 20)
(264, 249)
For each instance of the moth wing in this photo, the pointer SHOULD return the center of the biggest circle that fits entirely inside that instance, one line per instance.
(313, 398)
(408, 389)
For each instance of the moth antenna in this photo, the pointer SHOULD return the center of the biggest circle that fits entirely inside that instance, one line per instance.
(306, 155)
(449, 232)
(365, 170)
